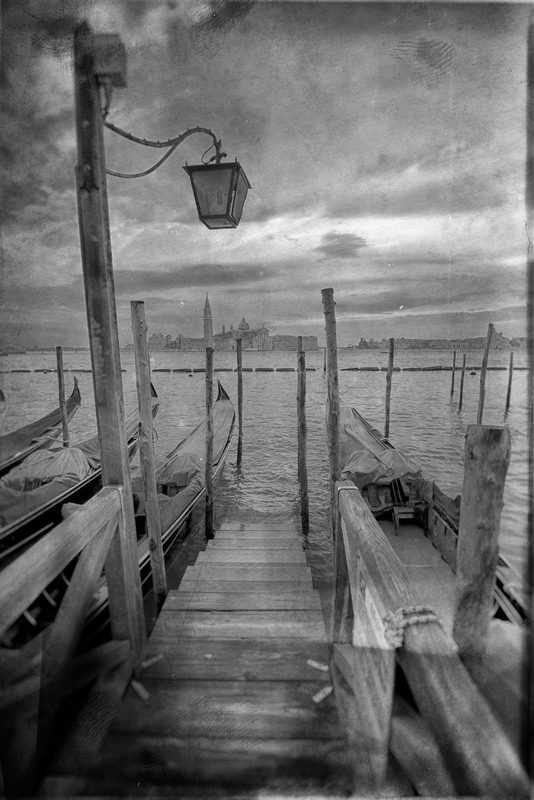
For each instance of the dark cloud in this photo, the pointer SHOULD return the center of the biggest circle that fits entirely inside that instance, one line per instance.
(341, 245)
(195, 275)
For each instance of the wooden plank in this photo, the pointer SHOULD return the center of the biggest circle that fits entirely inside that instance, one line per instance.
(245, 761)
(288, 525)
(415, 748)
(255, 544)
(369, 673)
(244, 587)
(257, 535)
(255, 709)
(208, 463)
(332, 402)
(62, 639)
(252, 624)
(25, 578)
(242, 659)
(245, 556)
(302, 435)
(266, 601)
(240, 572)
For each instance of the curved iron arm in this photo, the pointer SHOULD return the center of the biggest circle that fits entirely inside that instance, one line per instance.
(172, 144)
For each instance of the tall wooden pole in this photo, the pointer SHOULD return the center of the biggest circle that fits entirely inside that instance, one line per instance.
(487, 455)
(529, 202)
(332, 416)
(146, 451)
(209, 442)
(239, 349)
(482, 392)
(388, 384)
(453, 372)
(62, 401)
(510, 378)
(302, 435)
(462, 379)
(122, 571)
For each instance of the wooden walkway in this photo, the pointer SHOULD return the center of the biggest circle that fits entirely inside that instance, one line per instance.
(239, 697)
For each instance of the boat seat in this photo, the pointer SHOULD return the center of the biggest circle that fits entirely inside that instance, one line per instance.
(402, 512)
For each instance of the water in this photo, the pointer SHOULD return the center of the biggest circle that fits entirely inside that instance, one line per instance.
(424, 423)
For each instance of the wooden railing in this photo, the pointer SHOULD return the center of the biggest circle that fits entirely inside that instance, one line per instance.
(378, 625)
(37, 678)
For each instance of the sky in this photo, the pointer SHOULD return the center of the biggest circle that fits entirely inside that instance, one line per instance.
(384, 143)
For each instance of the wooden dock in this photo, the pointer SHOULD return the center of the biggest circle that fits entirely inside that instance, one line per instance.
(236, 693)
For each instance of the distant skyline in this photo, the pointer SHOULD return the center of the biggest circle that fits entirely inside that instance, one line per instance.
(385, 145)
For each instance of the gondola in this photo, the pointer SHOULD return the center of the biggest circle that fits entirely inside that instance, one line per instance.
(17, 445)
(181, 488)
(393, 487)
(34, 492)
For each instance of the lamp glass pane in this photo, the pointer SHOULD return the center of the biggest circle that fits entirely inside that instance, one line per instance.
(240, 196)
(212, 189)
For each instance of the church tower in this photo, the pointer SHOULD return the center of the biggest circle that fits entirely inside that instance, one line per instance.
(208, 324)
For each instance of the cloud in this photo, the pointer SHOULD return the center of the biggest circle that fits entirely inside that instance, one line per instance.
(341, 245)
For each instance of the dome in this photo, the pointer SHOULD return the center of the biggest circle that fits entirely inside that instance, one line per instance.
(243, 325)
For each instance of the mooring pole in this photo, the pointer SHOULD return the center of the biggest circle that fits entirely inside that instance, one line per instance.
(462, 379)
(388, 384)
(146, 452)
(302, 435)
(62, 401)
(486, 459)
(122, 569)
(482, 393)
(239, 350)
(509, 389)
(453, 372)
(332, 393)
(209, 443)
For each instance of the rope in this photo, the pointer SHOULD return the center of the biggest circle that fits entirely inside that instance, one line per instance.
(396, 622)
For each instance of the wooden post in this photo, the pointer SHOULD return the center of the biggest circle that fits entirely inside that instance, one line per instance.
(332, 417)
(146, 452)
(239, 348)
(388, 384)
(483, 370)
(125, 596)
(487, 455)
(324, 359)
(453, 372)
(462, 379)
(509, 389)
(62, 401)
(302, 434)
(209, 443)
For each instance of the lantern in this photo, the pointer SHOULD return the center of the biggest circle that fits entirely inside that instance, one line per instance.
(220, 191)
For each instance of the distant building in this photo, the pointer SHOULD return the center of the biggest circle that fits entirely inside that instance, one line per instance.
(498, 342)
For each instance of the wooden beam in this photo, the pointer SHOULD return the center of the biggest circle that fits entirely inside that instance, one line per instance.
(209, 444)
(389, 375)
(239, 349)
(62, 401)
(509, 389)
(462, 379)
(486, 459)
(332, 378)
(453, 372)
(301, 437)
(25, 578)
(146, 451)
(125, 595)
(483, 370)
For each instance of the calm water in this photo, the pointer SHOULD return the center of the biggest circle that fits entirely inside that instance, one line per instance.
(424, 423)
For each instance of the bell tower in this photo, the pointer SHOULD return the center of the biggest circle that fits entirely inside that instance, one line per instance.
(208, 324)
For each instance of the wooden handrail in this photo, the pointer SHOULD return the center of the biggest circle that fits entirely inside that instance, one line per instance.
(475, 748)
(24, 579)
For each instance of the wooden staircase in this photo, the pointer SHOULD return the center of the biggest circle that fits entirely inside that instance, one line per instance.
(236, 694)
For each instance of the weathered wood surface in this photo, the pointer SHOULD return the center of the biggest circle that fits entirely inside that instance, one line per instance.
(473, 743)
(302, 435)
(24, 579)
(233, 667)
(332, 402)
(253, 556)
(209, 444)
(486, 459)
(389, 375)
(274, 543)
(146, 451)
(61, 392)
(483, 370)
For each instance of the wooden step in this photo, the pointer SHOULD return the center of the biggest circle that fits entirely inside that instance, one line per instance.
(244, 572)
(288, 543)
(233, 601)
(245, 556)
(253, 624)
(240, 659)
(259, 526)
(229, 709)
(262, 535)
(246, 587)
